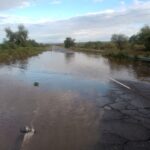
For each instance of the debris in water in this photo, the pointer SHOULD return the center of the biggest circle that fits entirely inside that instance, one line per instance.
(36, 83)
(26, 129)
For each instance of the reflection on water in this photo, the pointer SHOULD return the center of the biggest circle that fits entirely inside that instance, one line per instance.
(63, 109)
(23, 64)
(76, 65)
(140, 70)
(69, 56)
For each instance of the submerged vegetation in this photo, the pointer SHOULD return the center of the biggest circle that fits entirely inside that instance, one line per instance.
(17, 45)
(134, 47)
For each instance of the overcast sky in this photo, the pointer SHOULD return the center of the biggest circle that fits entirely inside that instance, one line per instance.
(84, 20)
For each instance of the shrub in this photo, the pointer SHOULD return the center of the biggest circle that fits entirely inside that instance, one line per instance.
(69, 42)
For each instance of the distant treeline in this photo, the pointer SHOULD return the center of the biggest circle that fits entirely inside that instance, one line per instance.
(139, 41)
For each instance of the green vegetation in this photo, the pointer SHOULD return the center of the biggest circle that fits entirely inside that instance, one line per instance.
(10, 55)
(69, 42)
(18, 46)
(135, 47)
(120, 40)
(19, 37)
(144, 37)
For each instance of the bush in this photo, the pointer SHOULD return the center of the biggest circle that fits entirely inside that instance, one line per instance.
(69, 42)
(120, 40)
(144, 37)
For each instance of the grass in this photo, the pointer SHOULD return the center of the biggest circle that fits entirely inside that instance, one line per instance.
(117, 54)
(127, 54)
(18, 53)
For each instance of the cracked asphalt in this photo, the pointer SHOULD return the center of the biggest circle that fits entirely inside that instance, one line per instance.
(125, 124)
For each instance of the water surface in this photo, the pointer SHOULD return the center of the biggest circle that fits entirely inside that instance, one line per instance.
(64, 108)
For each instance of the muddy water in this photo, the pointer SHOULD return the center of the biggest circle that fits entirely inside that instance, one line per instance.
(64, 108)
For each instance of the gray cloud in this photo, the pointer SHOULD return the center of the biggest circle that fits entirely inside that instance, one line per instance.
(7, 4)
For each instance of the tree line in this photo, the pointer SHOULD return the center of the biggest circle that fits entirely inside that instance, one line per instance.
(141, 40)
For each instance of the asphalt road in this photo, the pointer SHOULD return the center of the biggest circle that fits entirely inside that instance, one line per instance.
(126, 118)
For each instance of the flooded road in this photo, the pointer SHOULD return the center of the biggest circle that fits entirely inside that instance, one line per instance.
(76, 105)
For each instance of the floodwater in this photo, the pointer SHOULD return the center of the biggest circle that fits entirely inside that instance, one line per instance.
(64, 108)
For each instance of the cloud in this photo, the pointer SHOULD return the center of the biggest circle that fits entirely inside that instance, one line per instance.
(8, 4)
(98, 26)
(91, 26)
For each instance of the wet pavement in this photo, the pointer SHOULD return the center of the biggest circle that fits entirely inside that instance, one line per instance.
(76, 106)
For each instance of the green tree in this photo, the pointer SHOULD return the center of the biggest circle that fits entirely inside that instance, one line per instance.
(134, 39)
(144, 37)
(69, 42)
(10, 35)
(19, 37)
(22, 35)
(120, 40)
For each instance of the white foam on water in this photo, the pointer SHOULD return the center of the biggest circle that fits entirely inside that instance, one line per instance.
(27, 138)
